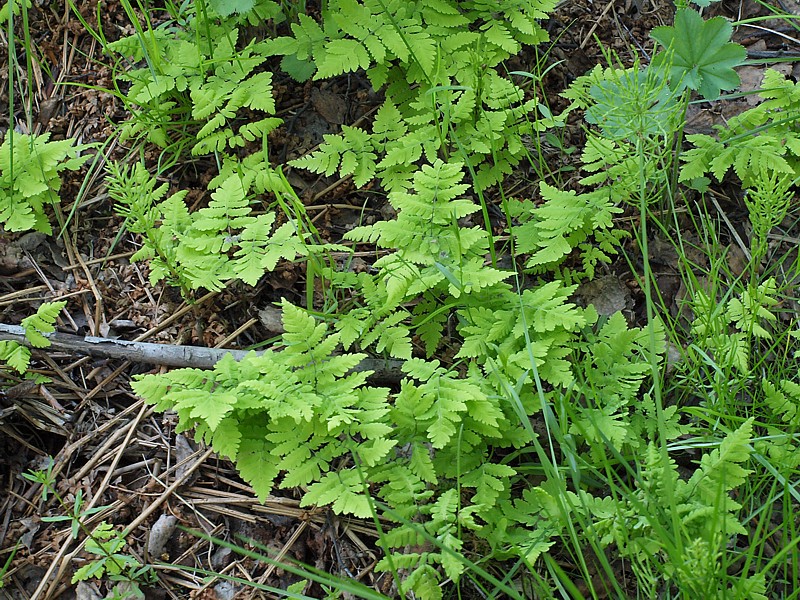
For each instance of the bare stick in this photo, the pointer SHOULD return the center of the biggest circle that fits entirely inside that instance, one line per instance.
(171, 356)
(143, 352)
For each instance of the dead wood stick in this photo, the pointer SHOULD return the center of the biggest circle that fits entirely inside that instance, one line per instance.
(168, 355)
(143, 352)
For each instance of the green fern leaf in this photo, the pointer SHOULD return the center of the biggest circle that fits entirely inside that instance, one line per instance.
(259, 252)
(388, 125)
(602, 426)
(349, 153)
(490, 481)
(424, 582)
(253, 466)
(497, 33)
(421, 464)
(16, 355)
(302, 333)
(343, 490)
(227, 438)
(783, 400)
(342, 56)
(42, 323)
(212, 407)
(374, 451)
(547, 309)
(720, 472)
(259, 129)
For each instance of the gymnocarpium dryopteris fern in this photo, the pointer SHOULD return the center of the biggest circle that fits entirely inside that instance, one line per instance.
(436, 269)
(551, 232)
(729, 332)
(781, 405)
(708, 517)
(222, 241)
(297, 416)
(436, 62)
(639, 523)
(36, 326)
(197, 82)
(30, 177)
(762, 139)
(433, 258)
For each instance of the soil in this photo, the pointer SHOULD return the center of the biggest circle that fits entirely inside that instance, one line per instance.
(103, 442)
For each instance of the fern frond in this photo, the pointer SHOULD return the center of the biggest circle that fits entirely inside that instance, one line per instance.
(720, 471)
(16, 355)
(342, 56)
(41, 323)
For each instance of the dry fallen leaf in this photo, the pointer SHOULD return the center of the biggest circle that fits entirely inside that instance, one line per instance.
(160, 534)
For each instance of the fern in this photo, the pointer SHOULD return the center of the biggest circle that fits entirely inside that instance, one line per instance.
(612, 372)
(729, 330)
(37, 326)
(783, 400)
(446, 52)
(567, 221)
(708, 513)
(434, 257)
(198, 84)
(219, 242)
(17, 356)
(299, 406)
(508, 330)
(350, 153)
(781, 406)
(433, 542)
(708, 490)
(299, 416)
(30, 177)
(762, 139)
(439, 403)
(528, 526)
(750, 313)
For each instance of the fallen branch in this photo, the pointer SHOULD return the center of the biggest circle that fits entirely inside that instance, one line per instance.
(168, 355)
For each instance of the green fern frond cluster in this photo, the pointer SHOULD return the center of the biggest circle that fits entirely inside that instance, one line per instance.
(197, 85)
(729, 330)
(781, 405)
(415, 36)
(219, 242)
(612, 416)
(433, 257)
(708, 514)
(300, 416)
(436, 62)
(30, 177)
(565, 222)
(761, 140)
(291, 418)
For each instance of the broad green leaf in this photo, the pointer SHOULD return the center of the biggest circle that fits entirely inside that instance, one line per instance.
(699, 53)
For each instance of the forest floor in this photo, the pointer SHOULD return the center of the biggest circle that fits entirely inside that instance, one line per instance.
(131, 467)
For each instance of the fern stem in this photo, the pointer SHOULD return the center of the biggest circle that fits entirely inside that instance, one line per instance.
(652, 355)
